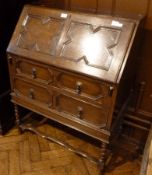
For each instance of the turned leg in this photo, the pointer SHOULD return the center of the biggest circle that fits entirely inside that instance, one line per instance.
(17, 117)
(102, 158)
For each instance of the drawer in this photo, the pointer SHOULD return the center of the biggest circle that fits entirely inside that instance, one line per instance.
(83, 86)
(34, 71)
(81, 111)
(36, 94)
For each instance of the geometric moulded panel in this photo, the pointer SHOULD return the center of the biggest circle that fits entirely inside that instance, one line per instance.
(95, 45)
(40, 34)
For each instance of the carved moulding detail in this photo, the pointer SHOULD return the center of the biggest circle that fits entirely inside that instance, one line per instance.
(40, 34)
(95, 45)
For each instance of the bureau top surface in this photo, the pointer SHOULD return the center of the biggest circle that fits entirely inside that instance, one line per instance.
(94, 45)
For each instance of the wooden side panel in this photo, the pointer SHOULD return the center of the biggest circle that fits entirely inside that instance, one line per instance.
(125, 6)
(83, 5)
(149, 18)
(105, 6)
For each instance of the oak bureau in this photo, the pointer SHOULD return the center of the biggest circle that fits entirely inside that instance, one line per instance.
(73, 68)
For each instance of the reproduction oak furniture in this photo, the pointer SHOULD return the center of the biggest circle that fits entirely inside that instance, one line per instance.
(138, 116)
(73, 68)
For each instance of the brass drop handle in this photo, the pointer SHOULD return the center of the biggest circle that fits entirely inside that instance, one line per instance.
(111, 89)
(34, 73)
(80, 112)
(78, 87)
(31, 93)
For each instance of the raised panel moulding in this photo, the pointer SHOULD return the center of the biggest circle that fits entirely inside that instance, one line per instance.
(32, 27)
(90, 40)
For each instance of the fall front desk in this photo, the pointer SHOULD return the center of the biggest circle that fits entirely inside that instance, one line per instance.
(73, 68)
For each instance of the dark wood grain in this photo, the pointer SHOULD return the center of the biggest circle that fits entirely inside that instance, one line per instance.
(73, 68)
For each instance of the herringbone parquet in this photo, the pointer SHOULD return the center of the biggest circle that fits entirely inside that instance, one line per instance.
(28, 154)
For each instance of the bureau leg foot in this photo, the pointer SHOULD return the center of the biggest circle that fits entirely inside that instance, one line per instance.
(17, 118)
(102, 158)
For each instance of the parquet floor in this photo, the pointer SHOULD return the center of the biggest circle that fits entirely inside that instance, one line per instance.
(28, 154)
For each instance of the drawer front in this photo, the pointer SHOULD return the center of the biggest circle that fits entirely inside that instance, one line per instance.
(81, 111)
(34, 71)
(83, 86)
(32, 92)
